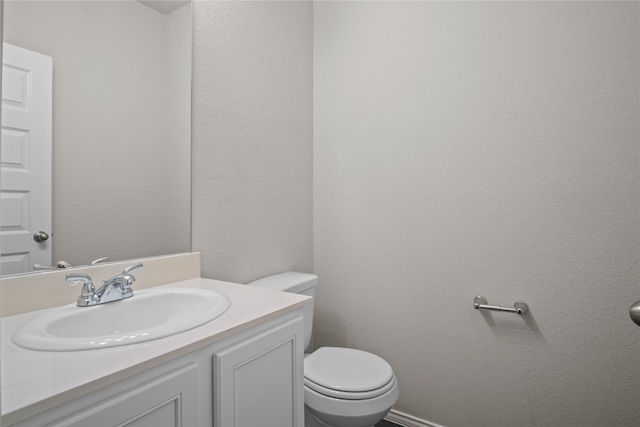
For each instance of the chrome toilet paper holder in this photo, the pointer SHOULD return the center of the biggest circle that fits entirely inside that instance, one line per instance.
(519, 307)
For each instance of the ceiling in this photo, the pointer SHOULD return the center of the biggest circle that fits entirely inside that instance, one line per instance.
(164, 6)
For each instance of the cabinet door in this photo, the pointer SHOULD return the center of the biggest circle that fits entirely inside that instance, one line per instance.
(260, 380)
(166, 401)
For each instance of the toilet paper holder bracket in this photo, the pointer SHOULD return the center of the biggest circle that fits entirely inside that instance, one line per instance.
(519, 307)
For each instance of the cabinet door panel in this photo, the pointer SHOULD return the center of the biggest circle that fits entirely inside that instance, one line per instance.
(166, 414)
(166, 401)
(260, 380)
(260, 407)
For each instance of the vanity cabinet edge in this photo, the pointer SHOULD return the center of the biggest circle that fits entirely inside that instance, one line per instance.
(198, 384)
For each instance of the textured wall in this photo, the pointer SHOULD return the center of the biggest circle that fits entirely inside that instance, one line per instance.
(465, 148)
(252, 138)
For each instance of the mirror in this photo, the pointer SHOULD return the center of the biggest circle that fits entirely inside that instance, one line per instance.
(121, 123)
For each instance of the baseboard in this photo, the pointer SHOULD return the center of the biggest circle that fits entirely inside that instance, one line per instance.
(406, 420)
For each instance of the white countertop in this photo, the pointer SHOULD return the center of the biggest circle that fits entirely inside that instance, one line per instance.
(32, 379)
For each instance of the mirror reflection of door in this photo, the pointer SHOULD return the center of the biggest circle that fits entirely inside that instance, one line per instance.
(25, 159)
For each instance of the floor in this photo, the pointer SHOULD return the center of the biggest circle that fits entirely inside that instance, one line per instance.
(385, 423)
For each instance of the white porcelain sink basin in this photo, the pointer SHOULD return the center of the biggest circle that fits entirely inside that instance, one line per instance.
(148, 315)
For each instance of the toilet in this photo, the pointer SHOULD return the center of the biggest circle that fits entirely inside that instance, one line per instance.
(343, 387)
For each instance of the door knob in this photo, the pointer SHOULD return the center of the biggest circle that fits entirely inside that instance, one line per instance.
(40, 236)
(634, 312)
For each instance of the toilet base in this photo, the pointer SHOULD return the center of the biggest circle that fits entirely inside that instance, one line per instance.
(312, 420)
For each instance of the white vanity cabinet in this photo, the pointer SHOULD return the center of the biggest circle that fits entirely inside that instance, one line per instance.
(259, 381)
(168, 399)
(251, 378)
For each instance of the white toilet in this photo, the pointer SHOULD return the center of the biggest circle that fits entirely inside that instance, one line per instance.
(343, 387)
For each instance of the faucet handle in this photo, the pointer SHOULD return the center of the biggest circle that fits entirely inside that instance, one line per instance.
(129, 269)
(88, 292)
(87, 288)
(73, 278)
(128, 277)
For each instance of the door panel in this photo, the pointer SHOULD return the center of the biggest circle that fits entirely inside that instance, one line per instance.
(25, 158)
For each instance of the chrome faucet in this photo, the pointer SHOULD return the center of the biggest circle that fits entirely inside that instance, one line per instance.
(116, 288)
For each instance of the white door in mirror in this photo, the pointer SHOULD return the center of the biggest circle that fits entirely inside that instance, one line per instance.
(25, 159)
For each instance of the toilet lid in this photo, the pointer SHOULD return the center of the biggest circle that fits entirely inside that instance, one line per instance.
(347, 370)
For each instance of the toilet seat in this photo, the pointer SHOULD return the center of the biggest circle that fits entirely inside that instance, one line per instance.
(350, 395)
(345, 373)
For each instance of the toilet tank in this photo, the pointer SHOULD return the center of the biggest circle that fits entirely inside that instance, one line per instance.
(297, 283)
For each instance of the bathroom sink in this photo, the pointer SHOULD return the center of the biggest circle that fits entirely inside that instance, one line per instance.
(148, 315)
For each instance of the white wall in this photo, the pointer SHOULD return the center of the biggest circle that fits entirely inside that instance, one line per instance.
(111, 168)
(465, 148)
(252, 138)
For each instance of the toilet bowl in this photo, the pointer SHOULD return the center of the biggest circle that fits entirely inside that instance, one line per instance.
(343, 387)
(347, 388)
